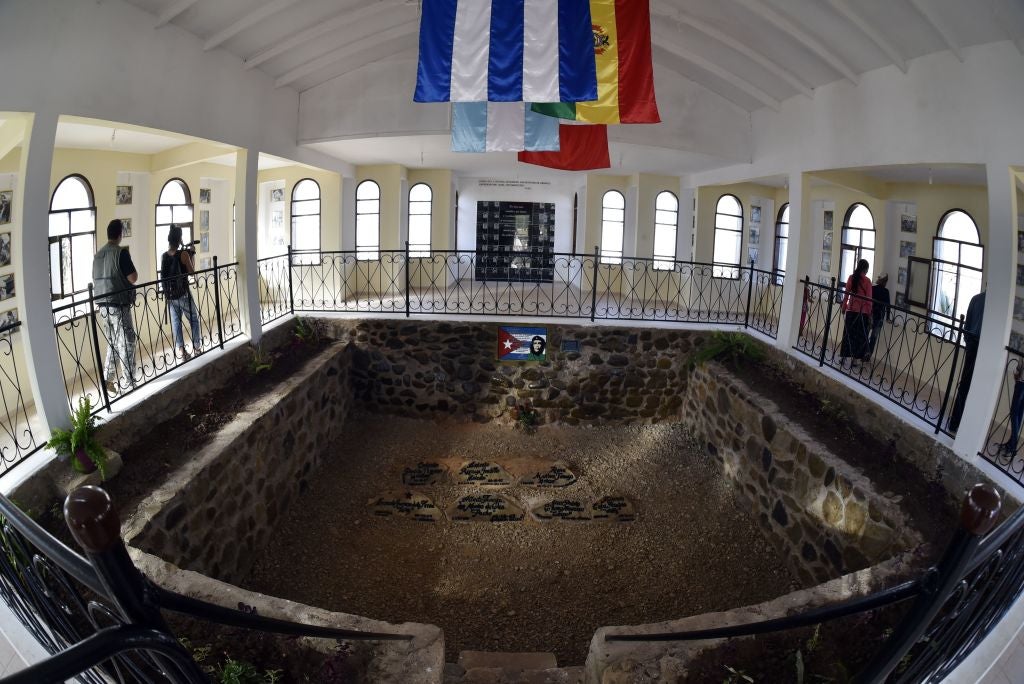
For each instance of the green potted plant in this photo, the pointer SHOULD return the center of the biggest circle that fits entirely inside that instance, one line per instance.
(79, 443)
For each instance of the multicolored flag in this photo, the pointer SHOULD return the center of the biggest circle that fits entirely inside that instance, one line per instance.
(625, 72)
(506, 51)
(501, 127)
(522, 344)
(581, 148)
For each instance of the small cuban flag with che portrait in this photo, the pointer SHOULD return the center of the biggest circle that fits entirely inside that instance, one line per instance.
(522, 344)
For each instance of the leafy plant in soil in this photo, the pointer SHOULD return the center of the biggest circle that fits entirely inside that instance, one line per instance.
(526, 416)
(307, 330)
(79, 443)
(259, 360)
(728, 347)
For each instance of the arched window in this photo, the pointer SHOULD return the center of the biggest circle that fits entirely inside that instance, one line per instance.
(613, 221)
(666, 218)
(781, 244)
(72, 235)
(957, 256)
(421, 200)
(858, 241)
(305, 213)
(173, 207)
(368, 220)
(728, 237)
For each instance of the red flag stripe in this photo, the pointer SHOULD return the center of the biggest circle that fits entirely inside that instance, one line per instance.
(582, 148)
(636, 73)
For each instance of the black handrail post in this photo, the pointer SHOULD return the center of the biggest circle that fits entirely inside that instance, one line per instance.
(96, 350)
(216, 302)
(952, 373)
(977, 517)
(291, 290)
(96, 526)
(750, 293)
(406, 278)
(593, 284)
(828, 323)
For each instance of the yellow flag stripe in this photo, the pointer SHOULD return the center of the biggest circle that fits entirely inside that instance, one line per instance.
(606, 109)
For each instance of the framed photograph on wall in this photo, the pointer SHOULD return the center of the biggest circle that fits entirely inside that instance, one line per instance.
(127, 223)
(1017, 341)
(755, 214)
(1018, 308)
(6, 201)
(124, 194)
(826, 262)
(826, 240)
(204, 242)
(204, 219)
(7, 286)
(1020, 240)
(901, 277)
(828, 220)
(204, 195)
(908, 223)
(7, 319)
(1020, 276)
(5, 249)
(919, 280)
(901, 300)
(277, 195)
(907, 249)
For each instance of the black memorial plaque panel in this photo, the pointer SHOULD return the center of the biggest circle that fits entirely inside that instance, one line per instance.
(409, 504)
(557, 475)
(483, 473)
(423, 473)
(515, 241)
(485, 508)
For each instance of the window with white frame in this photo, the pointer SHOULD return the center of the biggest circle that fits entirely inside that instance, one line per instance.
(858, 241)
(728, 237)
(174, 207)
(368, 220)
(72, 234)
(613, 221)
(666, 218)
(781, 244)
(420, 208)
(305, 213)
(957, 260)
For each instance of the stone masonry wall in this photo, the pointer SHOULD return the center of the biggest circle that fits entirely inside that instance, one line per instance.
(427, 368)
(216, 510)
(821, 512)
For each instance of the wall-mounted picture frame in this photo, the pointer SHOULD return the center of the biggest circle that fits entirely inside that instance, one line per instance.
(826, 240)
(907, 249)
(127, 223)
(901, 276)
(754, 236)
(826, 262)
(901, 300)
(204, 242)
(7, 319)
(1017, 341)
(1020, 240)
(123, 195)
(5, 249)
(6, 205)
(755, 214)
(1020, 276)
(204, 195)
(277, 195)
(7, 286)
(828, 220)
(204, 219)
(908, 223)
(753, 253)
(1018, 308)
(919, 281)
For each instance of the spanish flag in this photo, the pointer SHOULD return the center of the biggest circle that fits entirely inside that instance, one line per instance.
(625, 75)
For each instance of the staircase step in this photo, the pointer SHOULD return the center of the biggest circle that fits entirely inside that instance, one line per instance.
(471, 660)
(495, 675)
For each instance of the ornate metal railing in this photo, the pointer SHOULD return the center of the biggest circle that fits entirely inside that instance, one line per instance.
(111, 345)
(911, 359)
(1002, 446)
(17, 441)
(956, 603)
(540, 284)
(97, 615)
(275, 287)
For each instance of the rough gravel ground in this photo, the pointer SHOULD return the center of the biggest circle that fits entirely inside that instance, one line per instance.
(522, 586)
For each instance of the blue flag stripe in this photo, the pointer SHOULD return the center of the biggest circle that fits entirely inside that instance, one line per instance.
(437, 36)
(541, 132)
(505, 70)
(577, 69)
(469, 126)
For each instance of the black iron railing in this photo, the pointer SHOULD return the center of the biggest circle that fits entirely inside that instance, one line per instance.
(98, 616)
(911, 359)
(1002, 446)
(955, 603)
(111, 345)
(17, 441)
(275, 287)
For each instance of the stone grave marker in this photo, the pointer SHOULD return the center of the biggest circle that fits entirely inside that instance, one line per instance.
(613, 509)
(557, 475)
(562, 509)
(485, 508)
(423, 473)
(483, 473)
(410, 504)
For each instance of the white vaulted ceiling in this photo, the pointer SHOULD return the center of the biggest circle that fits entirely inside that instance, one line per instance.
(748, 54)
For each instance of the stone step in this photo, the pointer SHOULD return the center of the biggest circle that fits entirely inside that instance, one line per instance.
(496, 675)
(471, 660)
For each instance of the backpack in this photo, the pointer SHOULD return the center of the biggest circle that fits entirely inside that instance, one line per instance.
(172, 276)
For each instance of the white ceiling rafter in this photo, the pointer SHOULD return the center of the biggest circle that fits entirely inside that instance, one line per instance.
(173, 11)
(784, 24)
(249, 20)
(342, 20)
(369, 57)
(408, 28)
(843, 7)
(1009, 22)
(940, 27)
(665, 41)
(737, 45)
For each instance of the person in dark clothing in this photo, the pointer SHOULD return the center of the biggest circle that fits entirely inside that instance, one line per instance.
(879, 311)
(857, 307)
(972, 335)
(113, 275)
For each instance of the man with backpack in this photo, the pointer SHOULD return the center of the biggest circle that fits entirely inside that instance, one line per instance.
(175, 267)
(113, 275)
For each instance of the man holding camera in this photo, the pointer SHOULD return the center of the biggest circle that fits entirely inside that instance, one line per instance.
(113, 275)
(175, 267)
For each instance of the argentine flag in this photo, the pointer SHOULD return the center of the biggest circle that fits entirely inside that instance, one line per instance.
(506, 51)
(502, 127)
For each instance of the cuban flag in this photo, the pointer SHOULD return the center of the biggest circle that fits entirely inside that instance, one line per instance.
(506, 51)
(521, 344)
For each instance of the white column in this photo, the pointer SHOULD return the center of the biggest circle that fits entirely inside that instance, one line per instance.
(798, 259)
(686, 224)
(32, 277)
(630, 228)
(348, 214)
(246, 228)
(1000, 274)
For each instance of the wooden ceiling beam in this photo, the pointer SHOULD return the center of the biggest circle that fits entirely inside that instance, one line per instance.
(173, 11)
(939, 26)
(843, 7)
(250, 19)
